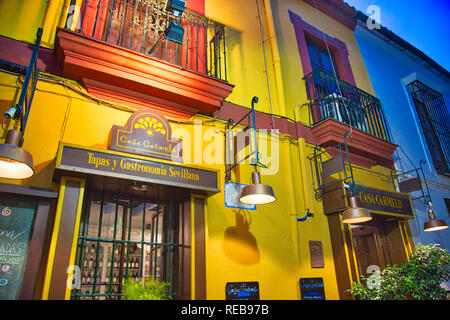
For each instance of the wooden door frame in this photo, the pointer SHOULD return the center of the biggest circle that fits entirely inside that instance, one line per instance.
(32, 282)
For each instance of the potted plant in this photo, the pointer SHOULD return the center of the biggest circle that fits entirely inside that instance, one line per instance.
(419, 278)
(148, 289)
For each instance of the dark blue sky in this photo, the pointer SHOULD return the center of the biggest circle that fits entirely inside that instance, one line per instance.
(423, 23)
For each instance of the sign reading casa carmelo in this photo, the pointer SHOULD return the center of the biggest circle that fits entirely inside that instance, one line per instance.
(381, 201)
(147, 133)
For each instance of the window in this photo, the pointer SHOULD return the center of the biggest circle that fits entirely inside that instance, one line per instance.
(320, 58)
(434, 119)
(122, 237)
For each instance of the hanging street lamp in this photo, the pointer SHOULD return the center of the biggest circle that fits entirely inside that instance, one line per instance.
(15, 162)
(433, 224)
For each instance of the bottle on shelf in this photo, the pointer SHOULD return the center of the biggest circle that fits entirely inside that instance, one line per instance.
(91, 262)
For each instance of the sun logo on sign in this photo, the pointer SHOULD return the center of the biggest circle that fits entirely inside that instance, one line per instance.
(150, 125)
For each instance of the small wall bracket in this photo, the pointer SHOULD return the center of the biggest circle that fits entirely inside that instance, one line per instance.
(306, 217)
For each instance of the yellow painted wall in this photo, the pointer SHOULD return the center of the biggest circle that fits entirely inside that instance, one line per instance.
(279, 254)
(282, 242)
(245, 59)
(57, 114)
(267, 245)
(20, 19)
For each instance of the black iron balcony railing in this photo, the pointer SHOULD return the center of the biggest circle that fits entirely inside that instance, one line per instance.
(345, 103)
(139, 25)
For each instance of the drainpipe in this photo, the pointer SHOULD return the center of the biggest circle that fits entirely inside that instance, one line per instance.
(275, 58)
(265, 63)
(302, 156)
(282, 111)
(44, 19)
(62, 21)
(51, 20)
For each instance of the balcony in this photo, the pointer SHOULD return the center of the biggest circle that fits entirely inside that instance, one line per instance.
(118, 50)
(345, 103)
(336, 106)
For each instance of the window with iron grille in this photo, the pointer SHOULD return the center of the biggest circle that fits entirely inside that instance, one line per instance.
(447, 204)
(122, 237)
(435, 122)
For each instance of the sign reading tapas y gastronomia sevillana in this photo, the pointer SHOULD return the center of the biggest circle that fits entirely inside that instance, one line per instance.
(146, 133)
(83, 160)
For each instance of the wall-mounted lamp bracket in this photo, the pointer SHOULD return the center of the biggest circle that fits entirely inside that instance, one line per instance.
(306, 217)
(413, 181)
(322, 169)
(237, 142)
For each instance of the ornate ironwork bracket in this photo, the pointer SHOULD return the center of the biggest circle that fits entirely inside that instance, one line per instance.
(232, 142)
(21, 110)
(412, 181)
(322, 170)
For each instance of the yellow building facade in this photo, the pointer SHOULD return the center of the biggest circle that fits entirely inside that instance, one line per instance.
(182, 228)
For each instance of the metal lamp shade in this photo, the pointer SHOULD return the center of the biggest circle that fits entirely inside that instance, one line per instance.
(257, 193)
(354, 214)
(433, 224)
(15, 162)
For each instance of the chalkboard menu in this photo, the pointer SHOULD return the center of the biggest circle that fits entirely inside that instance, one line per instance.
(242, 291)
(16, 219)
(312, 289)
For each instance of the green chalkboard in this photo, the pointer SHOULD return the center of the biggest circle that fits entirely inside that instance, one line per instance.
(16, 220)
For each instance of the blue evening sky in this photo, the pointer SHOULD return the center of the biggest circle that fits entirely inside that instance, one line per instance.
(423, 23)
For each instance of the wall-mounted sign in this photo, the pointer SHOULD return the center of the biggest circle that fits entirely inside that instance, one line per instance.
(381, 201)
(104, 163)
(16, 220)
(410, 185)
(232, 192)
(242, 291)
(332, 166)
(147, 133)
(316, 254)
(312, 289)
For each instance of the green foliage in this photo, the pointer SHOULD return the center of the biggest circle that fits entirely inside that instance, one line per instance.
(427, 268)
(384, 286)
(419, 278)
(151, 290)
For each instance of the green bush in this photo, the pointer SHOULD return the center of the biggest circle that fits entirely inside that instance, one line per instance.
(419, 278)
(151, 290)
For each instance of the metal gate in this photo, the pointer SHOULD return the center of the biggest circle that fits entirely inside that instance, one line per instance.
(124, 237)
